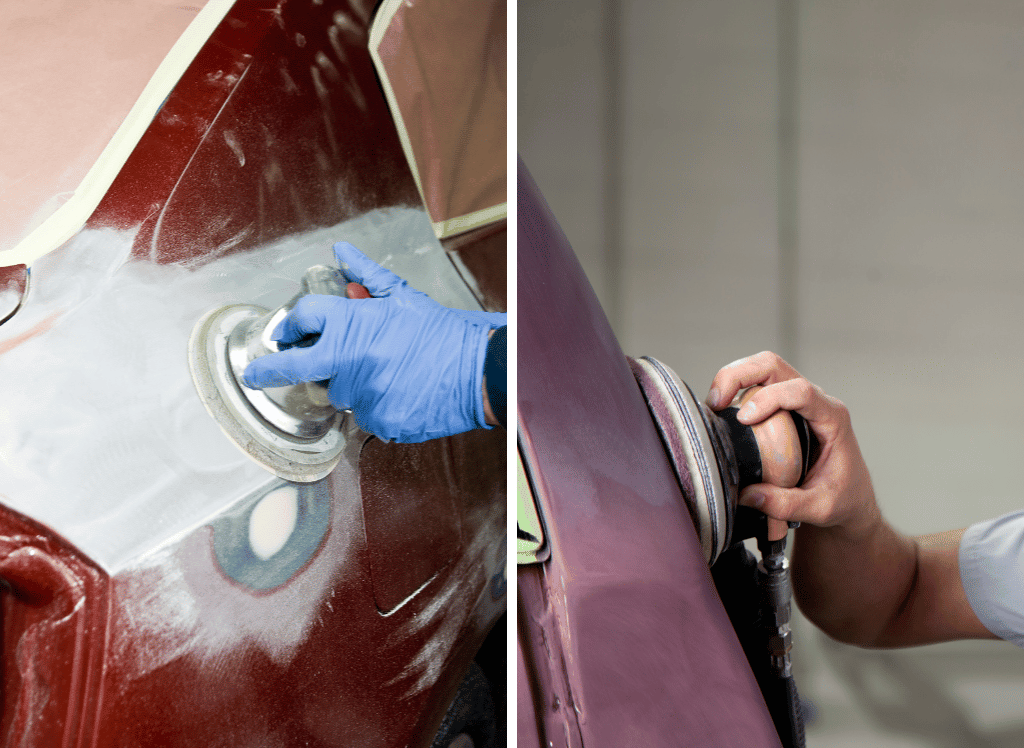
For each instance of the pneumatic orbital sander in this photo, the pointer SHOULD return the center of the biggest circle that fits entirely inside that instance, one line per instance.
(715, 457)
(292, 431)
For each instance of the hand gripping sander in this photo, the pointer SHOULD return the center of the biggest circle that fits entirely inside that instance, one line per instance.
(715, 456)
(292, 431)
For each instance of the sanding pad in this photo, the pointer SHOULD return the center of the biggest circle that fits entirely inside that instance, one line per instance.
(306, 454)
(690, 447)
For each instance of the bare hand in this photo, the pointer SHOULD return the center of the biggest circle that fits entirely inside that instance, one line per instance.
(837, 490)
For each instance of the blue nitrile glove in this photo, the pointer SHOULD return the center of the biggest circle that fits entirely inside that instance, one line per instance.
(409, 368)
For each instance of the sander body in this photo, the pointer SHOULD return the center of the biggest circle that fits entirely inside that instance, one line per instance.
(714, 457)
(292, 431)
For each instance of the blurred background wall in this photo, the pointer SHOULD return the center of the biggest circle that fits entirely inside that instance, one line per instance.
(841, 182)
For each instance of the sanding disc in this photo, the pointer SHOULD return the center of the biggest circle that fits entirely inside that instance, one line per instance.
(287, 455)
(678, 417)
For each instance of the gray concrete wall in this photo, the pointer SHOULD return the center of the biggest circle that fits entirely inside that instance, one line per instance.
(656, 131)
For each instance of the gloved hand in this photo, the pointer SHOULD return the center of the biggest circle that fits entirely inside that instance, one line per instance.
(409, 368)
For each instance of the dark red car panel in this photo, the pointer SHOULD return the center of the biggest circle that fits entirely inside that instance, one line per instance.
(316, 661)
(55, 611)
(622, 637)
(281, 110)
(174, 652)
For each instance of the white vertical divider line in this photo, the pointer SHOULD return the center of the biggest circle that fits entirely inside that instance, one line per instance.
(512, 229)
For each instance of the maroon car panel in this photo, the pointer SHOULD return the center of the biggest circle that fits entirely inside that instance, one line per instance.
(622, 635)
(281, 111)
(55, 609)
(173, 652)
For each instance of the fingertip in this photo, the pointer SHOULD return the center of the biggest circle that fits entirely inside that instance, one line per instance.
(251, 376)
(749, 413)
(286, 368)
(344, 252)
(777, 529)
(713, 398)
(357, 267)
(308, 317)
(737, 362)
(272, 370)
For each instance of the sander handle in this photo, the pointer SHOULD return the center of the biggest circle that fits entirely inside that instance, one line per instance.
(318, 390)
(810, 447)
(751, 451)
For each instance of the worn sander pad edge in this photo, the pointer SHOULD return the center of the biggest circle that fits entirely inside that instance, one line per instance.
(678, 418)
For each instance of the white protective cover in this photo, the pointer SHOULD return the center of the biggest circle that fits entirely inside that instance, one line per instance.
(81, 82)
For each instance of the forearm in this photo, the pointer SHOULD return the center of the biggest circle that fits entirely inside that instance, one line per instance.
(937, 608)
(875, 588)
(854, 580)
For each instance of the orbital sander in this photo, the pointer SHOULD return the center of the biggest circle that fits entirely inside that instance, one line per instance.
(714, 457)
(293, 431)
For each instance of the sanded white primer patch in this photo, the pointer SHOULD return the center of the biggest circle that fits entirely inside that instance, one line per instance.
(180, 605)
(102, 434)
(272, 521)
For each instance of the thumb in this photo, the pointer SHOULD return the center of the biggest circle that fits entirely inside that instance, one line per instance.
(288, 367)
(778, 503)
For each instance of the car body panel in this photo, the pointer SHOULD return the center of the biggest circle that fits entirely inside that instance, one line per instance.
(622, 636)
(160, 622)
(76, 103)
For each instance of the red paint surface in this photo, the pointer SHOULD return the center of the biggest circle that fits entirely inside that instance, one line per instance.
(12, 277)
(278, 126)
(55, 607)
(171, 652)
(175, 653)
(483, 253)
(621, 632)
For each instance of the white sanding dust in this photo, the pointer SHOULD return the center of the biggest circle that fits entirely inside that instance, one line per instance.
(102, 435)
